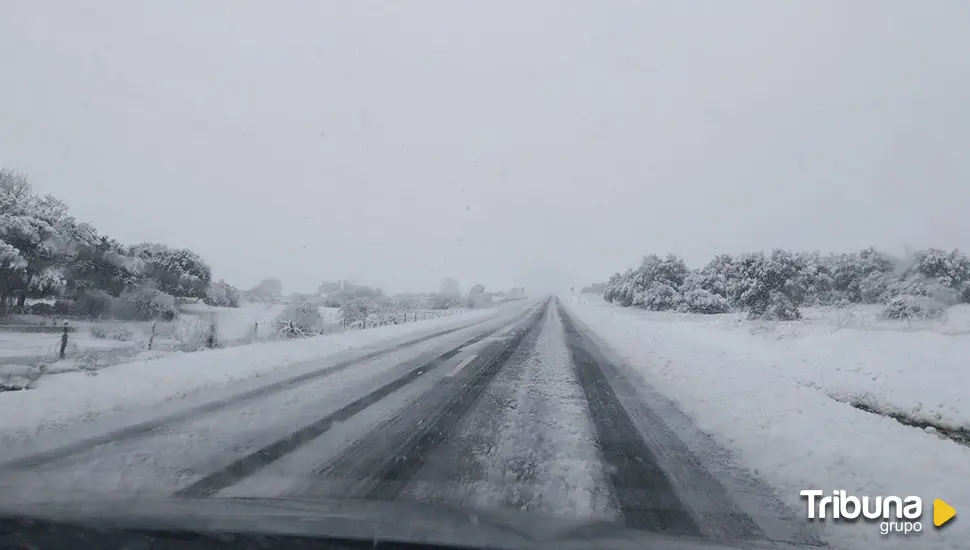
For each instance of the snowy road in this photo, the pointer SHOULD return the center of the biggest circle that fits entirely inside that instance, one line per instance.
(520, 412)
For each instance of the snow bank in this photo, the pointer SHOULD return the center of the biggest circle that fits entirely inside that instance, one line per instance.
(770, 393)
(65, 399)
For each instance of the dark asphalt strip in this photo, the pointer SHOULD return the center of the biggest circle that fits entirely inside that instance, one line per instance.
(381, 464)
(144, 428)
(646, 498)
(250, 464)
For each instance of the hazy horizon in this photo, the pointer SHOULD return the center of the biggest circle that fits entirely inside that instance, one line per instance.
(541, 144)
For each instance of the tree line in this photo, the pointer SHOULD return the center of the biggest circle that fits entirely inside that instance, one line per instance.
(775, 285)
(45, 253)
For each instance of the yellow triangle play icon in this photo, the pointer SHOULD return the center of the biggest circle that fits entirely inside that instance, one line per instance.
(942, 512)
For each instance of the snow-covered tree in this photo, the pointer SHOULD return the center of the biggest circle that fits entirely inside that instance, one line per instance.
(12, 268)
(178, 271)
(45, 252)
(104, 266)
(27, 224)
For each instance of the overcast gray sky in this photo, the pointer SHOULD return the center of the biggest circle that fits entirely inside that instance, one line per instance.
(501, 142)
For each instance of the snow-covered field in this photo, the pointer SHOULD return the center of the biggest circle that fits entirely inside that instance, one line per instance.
(58, 401)
(97, 344)
(232, 324)
(773, 394)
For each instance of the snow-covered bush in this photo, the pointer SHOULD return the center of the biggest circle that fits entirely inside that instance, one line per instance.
(302, 318)
(382, 318)
(705, 290)
(762, 283)
(780, 308)
(620, 289)
(122, 334)
(98, 332)
(914, 308)
(951, 270)
(671, 271)
(354, 313)
(18, 377)
(720, 276)
(661, 297)
(917, 285)
(777, 285)
(653, 285)
(699, 300)
(813, 282)
(862, 277)
(873, 288)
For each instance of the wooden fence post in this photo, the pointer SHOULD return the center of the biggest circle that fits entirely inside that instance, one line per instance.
(64, 341)
(151, 339)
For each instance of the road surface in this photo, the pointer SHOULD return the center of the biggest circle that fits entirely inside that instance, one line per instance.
(521, 411)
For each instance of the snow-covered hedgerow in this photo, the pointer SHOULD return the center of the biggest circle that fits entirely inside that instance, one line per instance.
(775, 285)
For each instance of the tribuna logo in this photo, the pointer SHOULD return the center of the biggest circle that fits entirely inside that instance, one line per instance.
(896, 514)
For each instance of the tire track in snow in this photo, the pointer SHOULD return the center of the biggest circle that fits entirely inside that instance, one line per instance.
(260, 458)
(142, 429)
(646, 498)
(382, 463)
(529, 445)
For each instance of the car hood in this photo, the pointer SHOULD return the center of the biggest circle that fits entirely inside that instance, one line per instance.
(363, 519)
